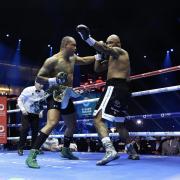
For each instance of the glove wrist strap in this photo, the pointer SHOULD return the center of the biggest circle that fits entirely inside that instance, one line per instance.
(52, 81)
(98, 57)
(91, 41)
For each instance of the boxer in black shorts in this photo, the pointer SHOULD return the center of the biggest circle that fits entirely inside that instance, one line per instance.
(114, 100)
(58, 70)
(112, 105)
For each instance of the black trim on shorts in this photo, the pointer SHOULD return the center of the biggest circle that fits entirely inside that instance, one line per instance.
(51, 104)
(69, 109)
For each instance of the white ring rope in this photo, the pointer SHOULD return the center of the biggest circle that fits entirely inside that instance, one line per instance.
(145, 116)
(13, 111)
(134, 94)
(156, 91)
(94, 135)
(135, 117)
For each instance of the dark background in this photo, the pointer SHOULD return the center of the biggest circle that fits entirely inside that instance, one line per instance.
(146, 28)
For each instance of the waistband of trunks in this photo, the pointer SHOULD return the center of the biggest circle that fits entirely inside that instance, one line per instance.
(116, 81)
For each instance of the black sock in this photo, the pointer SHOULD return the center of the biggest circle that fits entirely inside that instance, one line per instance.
(67, 141)
(41, 138)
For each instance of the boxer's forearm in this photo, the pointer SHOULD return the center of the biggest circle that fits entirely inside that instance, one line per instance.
(61, 78)
(84, 60)
(42, 80)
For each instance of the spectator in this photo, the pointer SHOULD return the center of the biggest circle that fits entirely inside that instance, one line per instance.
(171, 147)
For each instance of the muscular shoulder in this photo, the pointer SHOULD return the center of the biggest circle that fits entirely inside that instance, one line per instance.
(48, 66)
(74, 57)
(51, 61)
(120, 51)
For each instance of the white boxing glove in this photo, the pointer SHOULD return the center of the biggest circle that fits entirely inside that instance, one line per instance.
(60, 79)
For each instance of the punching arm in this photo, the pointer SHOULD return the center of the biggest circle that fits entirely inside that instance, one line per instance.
(84, 32)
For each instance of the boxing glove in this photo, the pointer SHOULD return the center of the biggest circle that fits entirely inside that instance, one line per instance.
(83, 31)
(61, 78)
(85, 34)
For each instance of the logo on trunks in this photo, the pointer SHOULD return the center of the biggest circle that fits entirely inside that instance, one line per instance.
(115, 111)
(115, 107)
(117, 104)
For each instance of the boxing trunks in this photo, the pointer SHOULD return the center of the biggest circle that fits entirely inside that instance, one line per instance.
(114, 100)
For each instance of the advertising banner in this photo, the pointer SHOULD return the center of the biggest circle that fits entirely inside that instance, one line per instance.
(3, 120)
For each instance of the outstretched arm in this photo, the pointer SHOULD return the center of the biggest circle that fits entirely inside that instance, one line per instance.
(84, 60)
(101, 47)
(99, 66)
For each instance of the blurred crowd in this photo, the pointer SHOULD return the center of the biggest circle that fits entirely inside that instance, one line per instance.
(168, 146)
